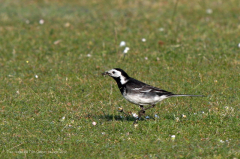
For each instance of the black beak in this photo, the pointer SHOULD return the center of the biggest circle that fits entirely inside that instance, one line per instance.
(105, 73)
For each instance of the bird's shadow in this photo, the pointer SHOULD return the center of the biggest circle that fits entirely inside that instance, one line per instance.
(110, 117)
(124, 117)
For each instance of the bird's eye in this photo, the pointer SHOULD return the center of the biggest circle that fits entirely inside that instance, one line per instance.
(113, 72)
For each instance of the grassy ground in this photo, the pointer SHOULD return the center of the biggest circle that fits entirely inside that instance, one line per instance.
(52, 91)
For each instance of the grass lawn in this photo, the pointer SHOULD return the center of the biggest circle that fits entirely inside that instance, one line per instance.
(54, 103)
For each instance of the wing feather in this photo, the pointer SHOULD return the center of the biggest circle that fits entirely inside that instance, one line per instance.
(136, 86)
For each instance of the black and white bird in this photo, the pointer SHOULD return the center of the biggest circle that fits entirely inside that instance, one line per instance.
(140, 93)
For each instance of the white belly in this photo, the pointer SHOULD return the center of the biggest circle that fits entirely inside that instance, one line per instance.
(143, 100)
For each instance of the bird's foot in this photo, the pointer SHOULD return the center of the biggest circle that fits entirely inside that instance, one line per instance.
(140, 113)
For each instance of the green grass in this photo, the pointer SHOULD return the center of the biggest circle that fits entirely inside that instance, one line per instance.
(51, 116)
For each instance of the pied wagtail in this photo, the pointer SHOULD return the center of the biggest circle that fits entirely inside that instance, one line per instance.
(138, 92)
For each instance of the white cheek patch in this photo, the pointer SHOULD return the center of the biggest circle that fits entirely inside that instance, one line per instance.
(117, 74)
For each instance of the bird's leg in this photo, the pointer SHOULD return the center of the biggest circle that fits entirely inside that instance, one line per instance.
(141, 107)
(149, 107)
(152, 106)
(140, 113)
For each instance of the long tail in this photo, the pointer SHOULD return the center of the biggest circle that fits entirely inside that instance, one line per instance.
(184, 95)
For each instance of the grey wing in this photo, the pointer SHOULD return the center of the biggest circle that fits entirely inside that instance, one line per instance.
(155, 90)
(140, 87)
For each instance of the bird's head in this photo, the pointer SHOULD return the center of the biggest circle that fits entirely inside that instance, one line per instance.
(118, 74)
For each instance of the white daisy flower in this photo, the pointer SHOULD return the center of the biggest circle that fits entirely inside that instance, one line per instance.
(135, 115)
(122, 43)
(62, 119)
(126, 50)
(41, 21)
(161, 29)
(209, 11)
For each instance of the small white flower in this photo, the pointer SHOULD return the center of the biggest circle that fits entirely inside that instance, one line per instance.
(209, 11)
(67, 24)
(41, 21)
(89, 55)
(143, 40)
(57, 42)
(239, 45)
(161, 29)
(184, 116)
(122, 43)
(135, 115)
(36, 76)
(94, 123)
(103, 133)
(221, 141)
(146, 58)
(135, 125)
(63, 118)
(195, 113)
(27, 21)
(18, 92)
(177, 119)
(202, 112)
(126, 50)
(173, 137)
